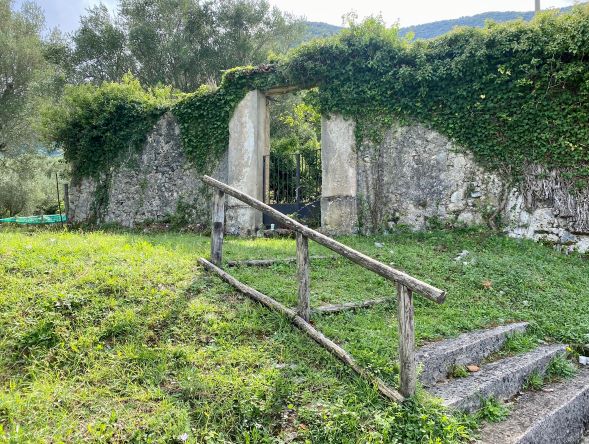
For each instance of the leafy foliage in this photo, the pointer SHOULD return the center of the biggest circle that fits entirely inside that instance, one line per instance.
(433, 29)
(95, 125)
(181, 43)
(27, 184)
(25, 75)
(512, 93)
(100, 53)
(204, 115)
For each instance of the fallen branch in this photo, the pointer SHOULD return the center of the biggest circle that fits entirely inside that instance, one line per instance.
(270, 262)
(350, 306)
(317, 336)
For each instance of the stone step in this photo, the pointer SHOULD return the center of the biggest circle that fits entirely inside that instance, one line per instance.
(501, 379)
(438, 358)
(558, 414)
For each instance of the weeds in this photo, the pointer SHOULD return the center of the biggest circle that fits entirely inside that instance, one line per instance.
(534, 382)
(492, 410)
(560, 368)
(120, 337)
(459, 371)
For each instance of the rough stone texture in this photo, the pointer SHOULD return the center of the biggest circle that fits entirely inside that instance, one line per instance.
(416, 175)
(339, 215)
(547, 211)
(150, 186)
(558, 414)
(339, 172)
(81, 200)
(249, 142)
(438, 358)
(501, 379)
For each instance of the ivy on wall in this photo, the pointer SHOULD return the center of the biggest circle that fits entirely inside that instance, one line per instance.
(95, 125)
(204, 115)
(512, 94)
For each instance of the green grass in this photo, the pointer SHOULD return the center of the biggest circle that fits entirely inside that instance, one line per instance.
(120, 337)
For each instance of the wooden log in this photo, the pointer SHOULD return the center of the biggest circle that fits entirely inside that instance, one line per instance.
(311, 331)
(407, 365)
(304, 307)
(218, 227)
(350, 306)
(433, 293)
(270, 262)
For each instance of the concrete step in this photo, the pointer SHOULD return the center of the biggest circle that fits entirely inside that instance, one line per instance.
(438, 358)
(501, 379)
(558, 414)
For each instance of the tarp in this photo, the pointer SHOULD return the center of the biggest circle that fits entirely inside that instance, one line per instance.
(36, 220)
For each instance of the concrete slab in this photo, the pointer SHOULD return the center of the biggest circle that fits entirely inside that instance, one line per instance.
(502, 379)
(438, 358)
(559, 414)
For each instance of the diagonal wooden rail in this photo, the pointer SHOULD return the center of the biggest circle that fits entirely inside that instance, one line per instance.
(405, 283)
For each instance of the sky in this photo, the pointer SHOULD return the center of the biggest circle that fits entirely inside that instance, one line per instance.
(65, 13)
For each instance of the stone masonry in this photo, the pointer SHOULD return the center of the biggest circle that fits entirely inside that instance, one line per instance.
(414, 177)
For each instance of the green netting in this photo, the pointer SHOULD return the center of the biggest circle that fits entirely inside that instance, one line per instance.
(36, 220)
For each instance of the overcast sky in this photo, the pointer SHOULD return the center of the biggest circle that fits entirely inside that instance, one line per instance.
(65, 13)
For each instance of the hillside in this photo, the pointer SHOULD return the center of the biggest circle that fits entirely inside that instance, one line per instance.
(117, 337)
(430, 30)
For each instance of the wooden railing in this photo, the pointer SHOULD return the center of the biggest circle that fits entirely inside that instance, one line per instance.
(405, 283)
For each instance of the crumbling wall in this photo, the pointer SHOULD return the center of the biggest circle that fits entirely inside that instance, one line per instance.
(157, 184)
(417, 177)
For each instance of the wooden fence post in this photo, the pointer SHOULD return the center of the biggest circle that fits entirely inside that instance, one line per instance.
(218, 227)
(66, 199)
(304, 308)
(406, 340)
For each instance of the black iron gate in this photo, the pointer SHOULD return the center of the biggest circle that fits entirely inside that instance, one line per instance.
(292, 185)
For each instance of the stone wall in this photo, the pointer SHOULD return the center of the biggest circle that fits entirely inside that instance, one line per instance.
(546, 208)
(417, 177)
(414, 177)
(150, 186)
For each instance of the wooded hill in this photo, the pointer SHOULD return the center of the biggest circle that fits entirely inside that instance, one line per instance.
(433, 29)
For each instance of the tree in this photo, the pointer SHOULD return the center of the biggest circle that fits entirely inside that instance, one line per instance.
(27, 184)
(28, 79)
(171, 40)
(182, 43)
(21, 65)
(248, 30)
(100, 44)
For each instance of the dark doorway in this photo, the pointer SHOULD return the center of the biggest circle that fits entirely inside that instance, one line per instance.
(292, 184)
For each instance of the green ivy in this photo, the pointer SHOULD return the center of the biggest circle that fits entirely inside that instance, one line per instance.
(96, 125)
(512, 94)
(204, 115)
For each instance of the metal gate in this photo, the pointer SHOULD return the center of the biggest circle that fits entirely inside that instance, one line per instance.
(292, 185)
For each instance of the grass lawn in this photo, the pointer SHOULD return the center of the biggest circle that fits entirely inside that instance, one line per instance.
(120, 337)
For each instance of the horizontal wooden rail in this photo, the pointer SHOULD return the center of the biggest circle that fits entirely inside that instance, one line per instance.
(429, 291)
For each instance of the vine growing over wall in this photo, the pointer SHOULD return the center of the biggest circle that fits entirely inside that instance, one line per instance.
(512, 94)
(95, 125)
(204, 115)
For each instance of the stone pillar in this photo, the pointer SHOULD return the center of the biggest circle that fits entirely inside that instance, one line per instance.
(339, 213)
(249, 141)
